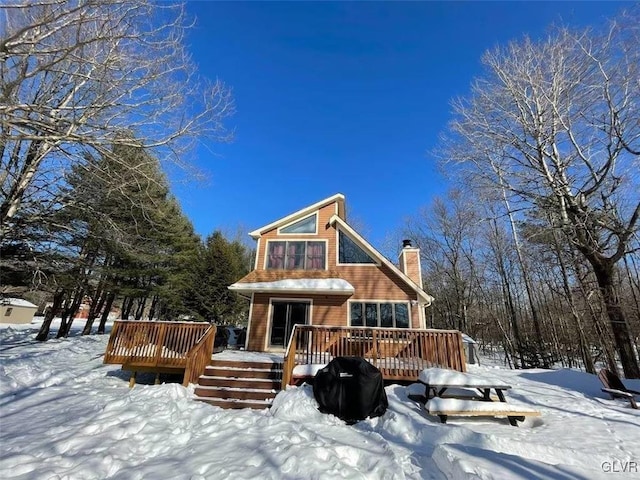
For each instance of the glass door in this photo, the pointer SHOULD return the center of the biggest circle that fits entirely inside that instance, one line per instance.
(284, 316)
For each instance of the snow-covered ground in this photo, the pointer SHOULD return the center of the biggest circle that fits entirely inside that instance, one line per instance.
(65, 415)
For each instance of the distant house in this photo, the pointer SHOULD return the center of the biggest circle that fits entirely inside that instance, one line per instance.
(16, 310)
(313, 268)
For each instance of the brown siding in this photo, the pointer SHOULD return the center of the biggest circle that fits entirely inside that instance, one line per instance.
(376, 283)
(325, 310)
(410, 264)
(325, 232)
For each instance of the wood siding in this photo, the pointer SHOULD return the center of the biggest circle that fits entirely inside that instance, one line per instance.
(374, 283)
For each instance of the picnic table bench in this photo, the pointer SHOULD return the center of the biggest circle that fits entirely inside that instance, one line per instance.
(452, 393)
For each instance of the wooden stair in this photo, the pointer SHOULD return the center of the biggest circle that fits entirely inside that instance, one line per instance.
(239, 384)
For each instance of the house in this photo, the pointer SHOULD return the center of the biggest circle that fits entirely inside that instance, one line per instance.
(16, 310)
(313, 268)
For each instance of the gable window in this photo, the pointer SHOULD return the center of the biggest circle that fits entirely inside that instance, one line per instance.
(350, 252)
(296, 255)
(373, 314)
(8, 311)
(306, 225)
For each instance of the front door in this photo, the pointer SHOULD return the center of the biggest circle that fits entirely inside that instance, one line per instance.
(285, 315)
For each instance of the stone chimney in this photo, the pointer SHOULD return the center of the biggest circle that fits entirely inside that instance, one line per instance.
(410, 262)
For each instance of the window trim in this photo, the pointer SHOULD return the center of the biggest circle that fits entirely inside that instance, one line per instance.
(265, 265)
(376, 261)
(267, 337)
(314, 214)
(363, 302)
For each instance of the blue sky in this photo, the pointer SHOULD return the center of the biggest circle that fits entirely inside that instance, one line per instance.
(345, 97)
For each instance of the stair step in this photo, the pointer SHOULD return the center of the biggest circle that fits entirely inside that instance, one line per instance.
(247, 364)
(232, 372)
(235, 393)
(257, 405)
(263, 383)
(239, 384)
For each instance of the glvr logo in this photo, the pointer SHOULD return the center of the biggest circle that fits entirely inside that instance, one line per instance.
(618, 466)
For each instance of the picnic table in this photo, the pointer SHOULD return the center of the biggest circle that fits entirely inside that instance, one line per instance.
(449, 392)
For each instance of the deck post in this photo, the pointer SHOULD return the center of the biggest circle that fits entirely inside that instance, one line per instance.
(132, 379)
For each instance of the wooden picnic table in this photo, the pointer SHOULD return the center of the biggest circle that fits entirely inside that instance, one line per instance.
(453, 393)
(439, 380)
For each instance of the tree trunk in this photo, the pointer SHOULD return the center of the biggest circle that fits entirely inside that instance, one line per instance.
(154, 305)
(140, 310)
(619, 327)
(585, 350)
(43, 333)
(127, 304)
(94, 311)
(525, 276)
(105, 312)
(70, 314)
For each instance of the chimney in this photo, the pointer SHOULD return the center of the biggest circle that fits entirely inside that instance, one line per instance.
(410, 262)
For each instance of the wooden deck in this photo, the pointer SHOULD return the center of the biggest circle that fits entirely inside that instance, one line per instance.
(161, 347)
(399, 353)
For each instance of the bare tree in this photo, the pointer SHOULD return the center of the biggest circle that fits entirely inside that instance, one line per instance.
(556, 124)
(446, 234)
(74, 74)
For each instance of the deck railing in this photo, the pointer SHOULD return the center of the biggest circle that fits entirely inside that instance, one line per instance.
(399, 353)
(163, 346)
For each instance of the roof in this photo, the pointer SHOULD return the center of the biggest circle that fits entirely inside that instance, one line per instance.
(301, 285)
(273, 280)
(292, 281)
(17, 302)
(428, 299)
(338, 197)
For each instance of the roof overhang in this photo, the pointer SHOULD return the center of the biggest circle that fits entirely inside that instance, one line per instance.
(323, 286)
(338, 197)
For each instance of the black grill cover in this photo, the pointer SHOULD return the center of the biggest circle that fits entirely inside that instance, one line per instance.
(351, 389)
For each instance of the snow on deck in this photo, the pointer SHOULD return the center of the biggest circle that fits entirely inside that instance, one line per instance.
(64, 414)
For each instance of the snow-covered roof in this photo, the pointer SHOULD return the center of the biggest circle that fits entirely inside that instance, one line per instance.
(306, 285)
(17, 302)
(467, 339)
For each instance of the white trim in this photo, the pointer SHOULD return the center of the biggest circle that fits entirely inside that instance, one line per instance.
(293, 239)
(255, 261)
(378, 302)
(248, 336)
(314, 214)
(427, 299)
(375, 260)
(267, 341)
(338, 197)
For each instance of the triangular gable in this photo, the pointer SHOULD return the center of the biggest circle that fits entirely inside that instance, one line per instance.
(300, 214)
(428, 299)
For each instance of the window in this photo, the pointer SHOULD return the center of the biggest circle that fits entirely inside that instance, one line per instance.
(371, 314)
(350, 252)
(306, 225)
(8, 311)
(296, 255)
